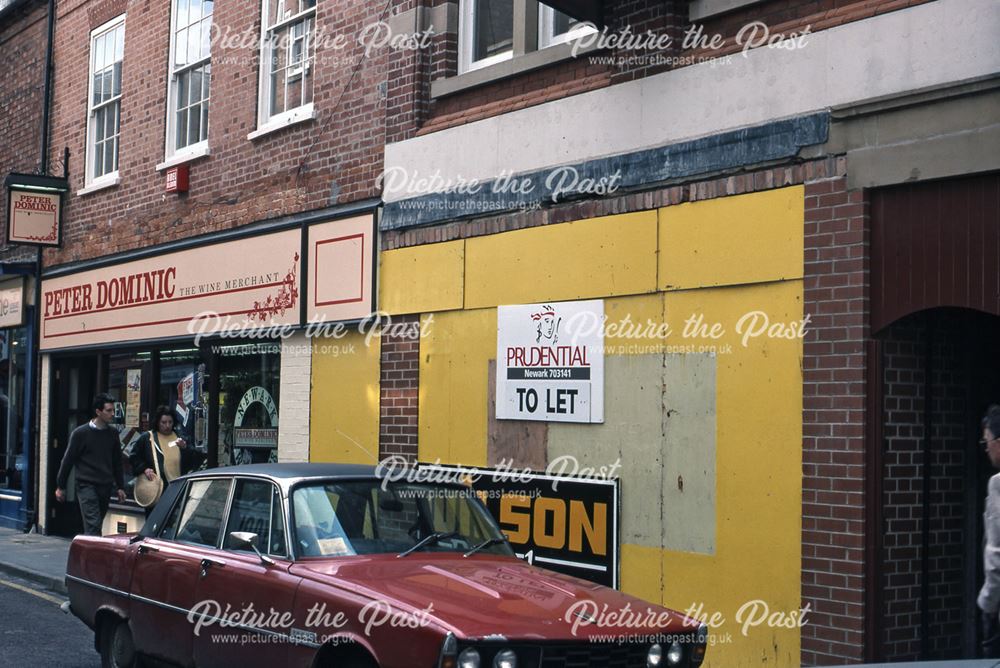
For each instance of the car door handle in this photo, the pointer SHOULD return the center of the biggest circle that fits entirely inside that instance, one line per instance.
(207, 563)
(143, 549)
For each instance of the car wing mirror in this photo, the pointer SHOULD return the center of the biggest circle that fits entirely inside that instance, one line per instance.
(246, 539)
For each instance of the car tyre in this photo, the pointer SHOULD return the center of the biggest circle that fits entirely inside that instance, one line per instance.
(117, 648)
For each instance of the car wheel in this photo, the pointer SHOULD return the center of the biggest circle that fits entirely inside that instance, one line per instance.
(117, 648)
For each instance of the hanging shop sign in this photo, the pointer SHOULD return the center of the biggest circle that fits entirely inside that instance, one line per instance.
(12, 302)
(550, 362)
(562, 523)
(233, 288)
(34, 209)
(342, 264)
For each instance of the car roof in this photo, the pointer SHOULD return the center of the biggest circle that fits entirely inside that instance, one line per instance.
(288, 473)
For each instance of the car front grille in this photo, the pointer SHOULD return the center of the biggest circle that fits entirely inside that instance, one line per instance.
(593, 656)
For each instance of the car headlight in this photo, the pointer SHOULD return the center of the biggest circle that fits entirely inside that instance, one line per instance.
(505, 659)
(654, 656)
(675, 654)
(468, 659)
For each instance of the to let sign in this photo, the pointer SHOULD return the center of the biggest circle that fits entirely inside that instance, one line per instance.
(550, 362)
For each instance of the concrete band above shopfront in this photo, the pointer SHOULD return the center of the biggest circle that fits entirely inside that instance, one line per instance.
(232, 287)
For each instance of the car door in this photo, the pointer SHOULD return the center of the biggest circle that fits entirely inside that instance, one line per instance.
(259, 594)
(168, 567)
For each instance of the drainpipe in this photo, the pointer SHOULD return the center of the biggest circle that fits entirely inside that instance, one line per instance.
(32, 388)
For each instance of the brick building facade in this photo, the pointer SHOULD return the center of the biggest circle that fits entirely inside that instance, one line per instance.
(790, 471)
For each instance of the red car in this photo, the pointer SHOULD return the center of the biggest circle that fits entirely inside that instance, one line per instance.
(330, 565)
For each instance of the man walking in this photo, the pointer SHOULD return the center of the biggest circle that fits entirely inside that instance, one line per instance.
(989, 595)
(95, 452)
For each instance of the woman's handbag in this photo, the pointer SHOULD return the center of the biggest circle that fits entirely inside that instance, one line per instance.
(147, 492)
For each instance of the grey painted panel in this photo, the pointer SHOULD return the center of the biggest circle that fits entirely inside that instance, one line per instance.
(689, 453)
(762, 143)
(660, 424)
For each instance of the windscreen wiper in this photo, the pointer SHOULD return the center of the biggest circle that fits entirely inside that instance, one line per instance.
(429, 540)
(485, 544)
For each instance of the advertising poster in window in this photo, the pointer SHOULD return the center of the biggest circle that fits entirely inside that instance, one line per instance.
(133, 392)
(550, 362)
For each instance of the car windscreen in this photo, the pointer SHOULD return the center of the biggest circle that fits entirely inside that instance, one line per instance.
(375, 517)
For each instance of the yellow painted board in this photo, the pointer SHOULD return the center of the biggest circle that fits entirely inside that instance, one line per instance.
(344, 420)
(422, 279)
(597, 257)
(732, 240)
(454, 362)
(758, 473)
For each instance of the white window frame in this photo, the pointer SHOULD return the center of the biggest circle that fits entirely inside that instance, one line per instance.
(92, 182)
(266, 122)
(466, 23)
(547, 26)
(175, 156)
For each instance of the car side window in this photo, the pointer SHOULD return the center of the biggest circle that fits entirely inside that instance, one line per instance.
(169, 530)
(201, 517)
(257, 509)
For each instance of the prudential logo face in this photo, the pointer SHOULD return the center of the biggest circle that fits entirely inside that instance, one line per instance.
(547, 325)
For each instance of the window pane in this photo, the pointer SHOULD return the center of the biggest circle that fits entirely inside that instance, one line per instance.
(109, 156)
(116, 87)
(106, 85)
(169, 531)
(111, 120)
(181, 129)
(98, 88)
(183, 83)
(204, 120)
(251, 512)
(195, 83)
(195, 11)
(493, 30)
(194, 125)
(120, 43)
(205, 76)
(98, 160)
(206, 7)
(100, 124)
(206, 38)
(180, 48)
(194, 44)
(202, 517)
(182, 14)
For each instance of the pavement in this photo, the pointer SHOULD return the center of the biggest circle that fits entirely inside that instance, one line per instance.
(34, 557)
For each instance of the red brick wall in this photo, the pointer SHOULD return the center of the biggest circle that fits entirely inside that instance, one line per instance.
(901, 567)
(22, 41)
(400, 385)
(332, 159)
(833, 420)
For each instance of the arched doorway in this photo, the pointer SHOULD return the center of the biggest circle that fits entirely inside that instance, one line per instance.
(933, 368)
(940, 369)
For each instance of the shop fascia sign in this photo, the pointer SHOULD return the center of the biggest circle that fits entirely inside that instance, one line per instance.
(550, 362)
(34, 209)
(255, 285)
(12, 302)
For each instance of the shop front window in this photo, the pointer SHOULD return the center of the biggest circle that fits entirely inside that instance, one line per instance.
(182, 389)
(12, 362)
(129, 383)
(249, 376)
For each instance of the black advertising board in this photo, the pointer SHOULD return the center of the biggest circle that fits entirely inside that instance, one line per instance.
(565, 524)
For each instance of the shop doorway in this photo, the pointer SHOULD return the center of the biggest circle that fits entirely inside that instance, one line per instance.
(940, 371)
(74, 384)
(933, 369)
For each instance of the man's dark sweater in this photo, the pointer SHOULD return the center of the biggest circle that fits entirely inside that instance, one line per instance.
(97, 456)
